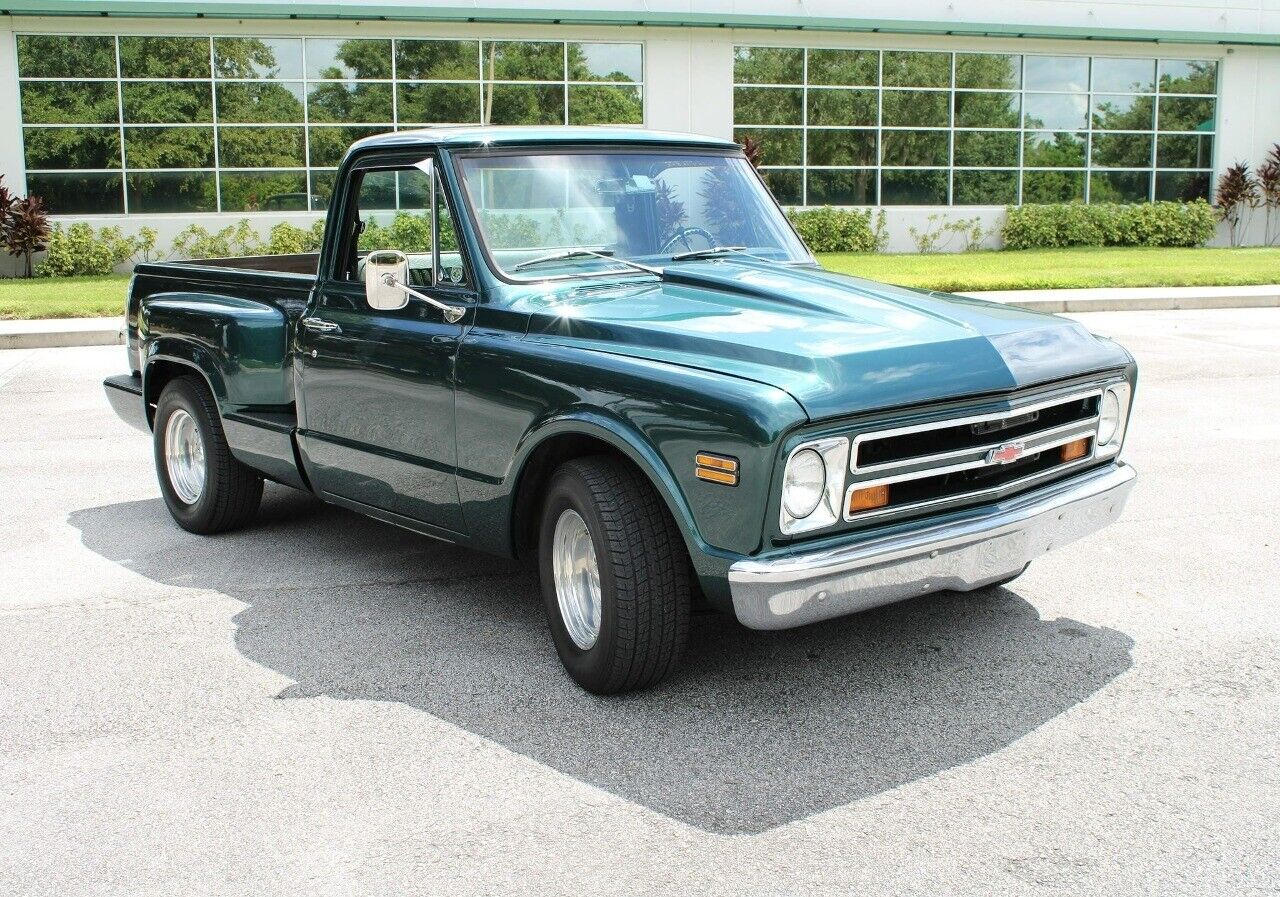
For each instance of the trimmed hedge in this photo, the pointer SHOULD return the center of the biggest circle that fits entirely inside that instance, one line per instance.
(1109, 224)
(840, 230)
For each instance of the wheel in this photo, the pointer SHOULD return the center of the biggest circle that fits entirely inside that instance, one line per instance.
(207, 490)
(682, 234)
(616, 577)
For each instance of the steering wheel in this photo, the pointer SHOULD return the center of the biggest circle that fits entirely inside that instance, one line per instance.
(682, 234)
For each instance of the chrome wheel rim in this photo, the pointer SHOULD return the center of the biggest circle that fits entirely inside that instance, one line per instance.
(184, 457)
(577, 575)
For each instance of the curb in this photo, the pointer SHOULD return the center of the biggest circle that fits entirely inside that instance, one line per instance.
(69, 332)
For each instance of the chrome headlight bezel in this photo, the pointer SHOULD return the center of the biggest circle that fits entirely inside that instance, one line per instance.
(1122, 393)
(834, 452)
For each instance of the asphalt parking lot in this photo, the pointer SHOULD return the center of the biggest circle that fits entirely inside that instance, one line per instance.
(326, 705)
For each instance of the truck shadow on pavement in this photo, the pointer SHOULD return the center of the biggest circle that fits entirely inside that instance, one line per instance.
(756, 730)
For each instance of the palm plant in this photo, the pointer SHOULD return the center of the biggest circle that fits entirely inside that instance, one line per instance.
(27, 230)
(1269, 187)
(1237, 193)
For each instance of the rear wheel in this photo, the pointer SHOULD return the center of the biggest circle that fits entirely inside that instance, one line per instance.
(206, 489)
(616, 578)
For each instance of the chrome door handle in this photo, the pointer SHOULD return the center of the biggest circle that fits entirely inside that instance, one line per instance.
(320, 326)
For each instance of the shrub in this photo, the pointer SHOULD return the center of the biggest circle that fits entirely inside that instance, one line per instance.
(80, 251)
(1108, 224)
(1269, 192)
(194, 242)
(1237, 193)
(840, 230)
(286, 239)
(26, 229)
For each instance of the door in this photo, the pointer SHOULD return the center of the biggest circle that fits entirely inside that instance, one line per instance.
(375, 387)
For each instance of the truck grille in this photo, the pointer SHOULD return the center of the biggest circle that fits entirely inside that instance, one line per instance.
(959, 459)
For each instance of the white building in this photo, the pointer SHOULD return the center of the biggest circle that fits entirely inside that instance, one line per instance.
(169, 112)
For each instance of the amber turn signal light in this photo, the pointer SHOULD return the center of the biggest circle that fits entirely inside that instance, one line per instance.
(1077, 448)
(716, 469)
(868, 499)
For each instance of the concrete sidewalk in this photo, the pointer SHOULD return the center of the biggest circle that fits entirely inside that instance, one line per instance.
(52, 333)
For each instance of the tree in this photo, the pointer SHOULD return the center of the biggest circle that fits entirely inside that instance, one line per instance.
(27, 230)
(1237, 193)
(1269, 187)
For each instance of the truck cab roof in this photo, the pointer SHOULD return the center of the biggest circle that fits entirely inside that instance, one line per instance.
(461, 137)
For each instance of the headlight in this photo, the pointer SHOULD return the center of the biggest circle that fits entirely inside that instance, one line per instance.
(805, 481)
(813, 485)
(1108, 417)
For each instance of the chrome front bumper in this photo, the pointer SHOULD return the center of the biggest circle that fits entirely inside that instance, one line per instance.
(984, 547)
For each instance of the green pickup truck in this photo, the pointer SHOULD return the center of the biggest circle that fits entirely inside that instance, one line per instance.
(607, 352)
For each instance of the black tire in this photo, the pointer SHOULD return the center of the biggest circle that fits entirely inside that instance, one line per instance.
(645, 575)
(231, 492)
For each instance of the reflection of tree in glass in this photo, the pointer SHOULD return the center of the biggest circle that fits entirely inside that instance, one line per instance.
(671, 211)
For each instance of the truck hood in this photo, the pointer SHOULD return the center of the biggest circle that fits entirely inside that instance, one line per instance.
(839, 345)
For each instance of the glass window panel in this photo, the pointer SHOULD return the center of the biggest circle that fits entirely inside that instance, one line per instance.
(438, 60)
(780, 146)
(69, 102)
(168, 148)
(337, 101)
(1188, 76)
(842, 188)
(1119, 186)
(1186, 114)
(1123, 112)
(606, 62)
(72, 147)
(996, 149)
(1124, 75)
(327, 145)
(786, 185)
(989, 70)
(1182, 185)
(260, 147)
(767, 105)
(1184, 151)
(914, 147)
(377, 191)
(605, 104)
(987, 110)
(164, 57)
(167, 102)
(263, 191)
(844, 148)
(260, 102)
(911, 68)
(66, 56)
(768, 65)
(348, 59)
(984, 188)
(1052, 186)
(519, 60)
(843, 107)
(439, 103)
(851, 68)
(526, 104)
(1056, 111)
(1121, 151)
(78, 193)
(919, 187)
(1056, 73)
(1049, 149)
(322, 189)
(257, 57)
(916, 108)
(161, 192)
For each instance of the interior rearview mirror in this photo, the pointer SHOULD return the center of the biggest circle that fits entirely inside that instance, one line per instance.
(384, 270)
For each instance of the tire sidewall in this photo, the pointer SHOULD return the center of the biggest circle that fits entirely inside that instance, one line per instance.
(179, 395)
(592, 668)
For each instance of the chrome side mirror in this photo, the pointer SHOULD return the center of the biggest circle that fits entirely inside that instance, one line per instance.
(385, 273)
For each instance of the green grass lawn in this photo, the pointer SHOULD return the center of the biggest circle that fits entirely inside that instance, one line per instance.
(1035, 269)
(77, 297)
(63, 297)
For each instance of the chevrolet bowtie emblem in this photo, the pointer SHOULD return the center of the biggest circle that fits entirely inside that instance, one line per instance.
(1006, 454)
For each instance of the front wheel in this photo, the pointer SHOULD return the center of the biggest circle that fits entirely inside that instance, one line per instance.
(206, 489)
(616, 578)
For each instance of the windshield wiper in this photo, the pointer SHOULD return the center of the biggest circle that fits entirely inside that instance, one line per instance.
(581, 252)
(712, 251)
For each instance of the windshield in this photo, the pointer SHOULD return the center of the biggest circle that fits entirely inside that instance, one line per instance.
(566, 214)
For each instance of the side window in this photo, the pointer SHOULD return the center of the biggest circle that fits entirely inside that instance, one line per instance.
(393, 211)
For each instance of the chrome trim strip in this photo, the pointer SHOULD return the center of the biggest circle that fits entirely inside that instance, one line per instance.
(978, 549)
(1012, 411)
